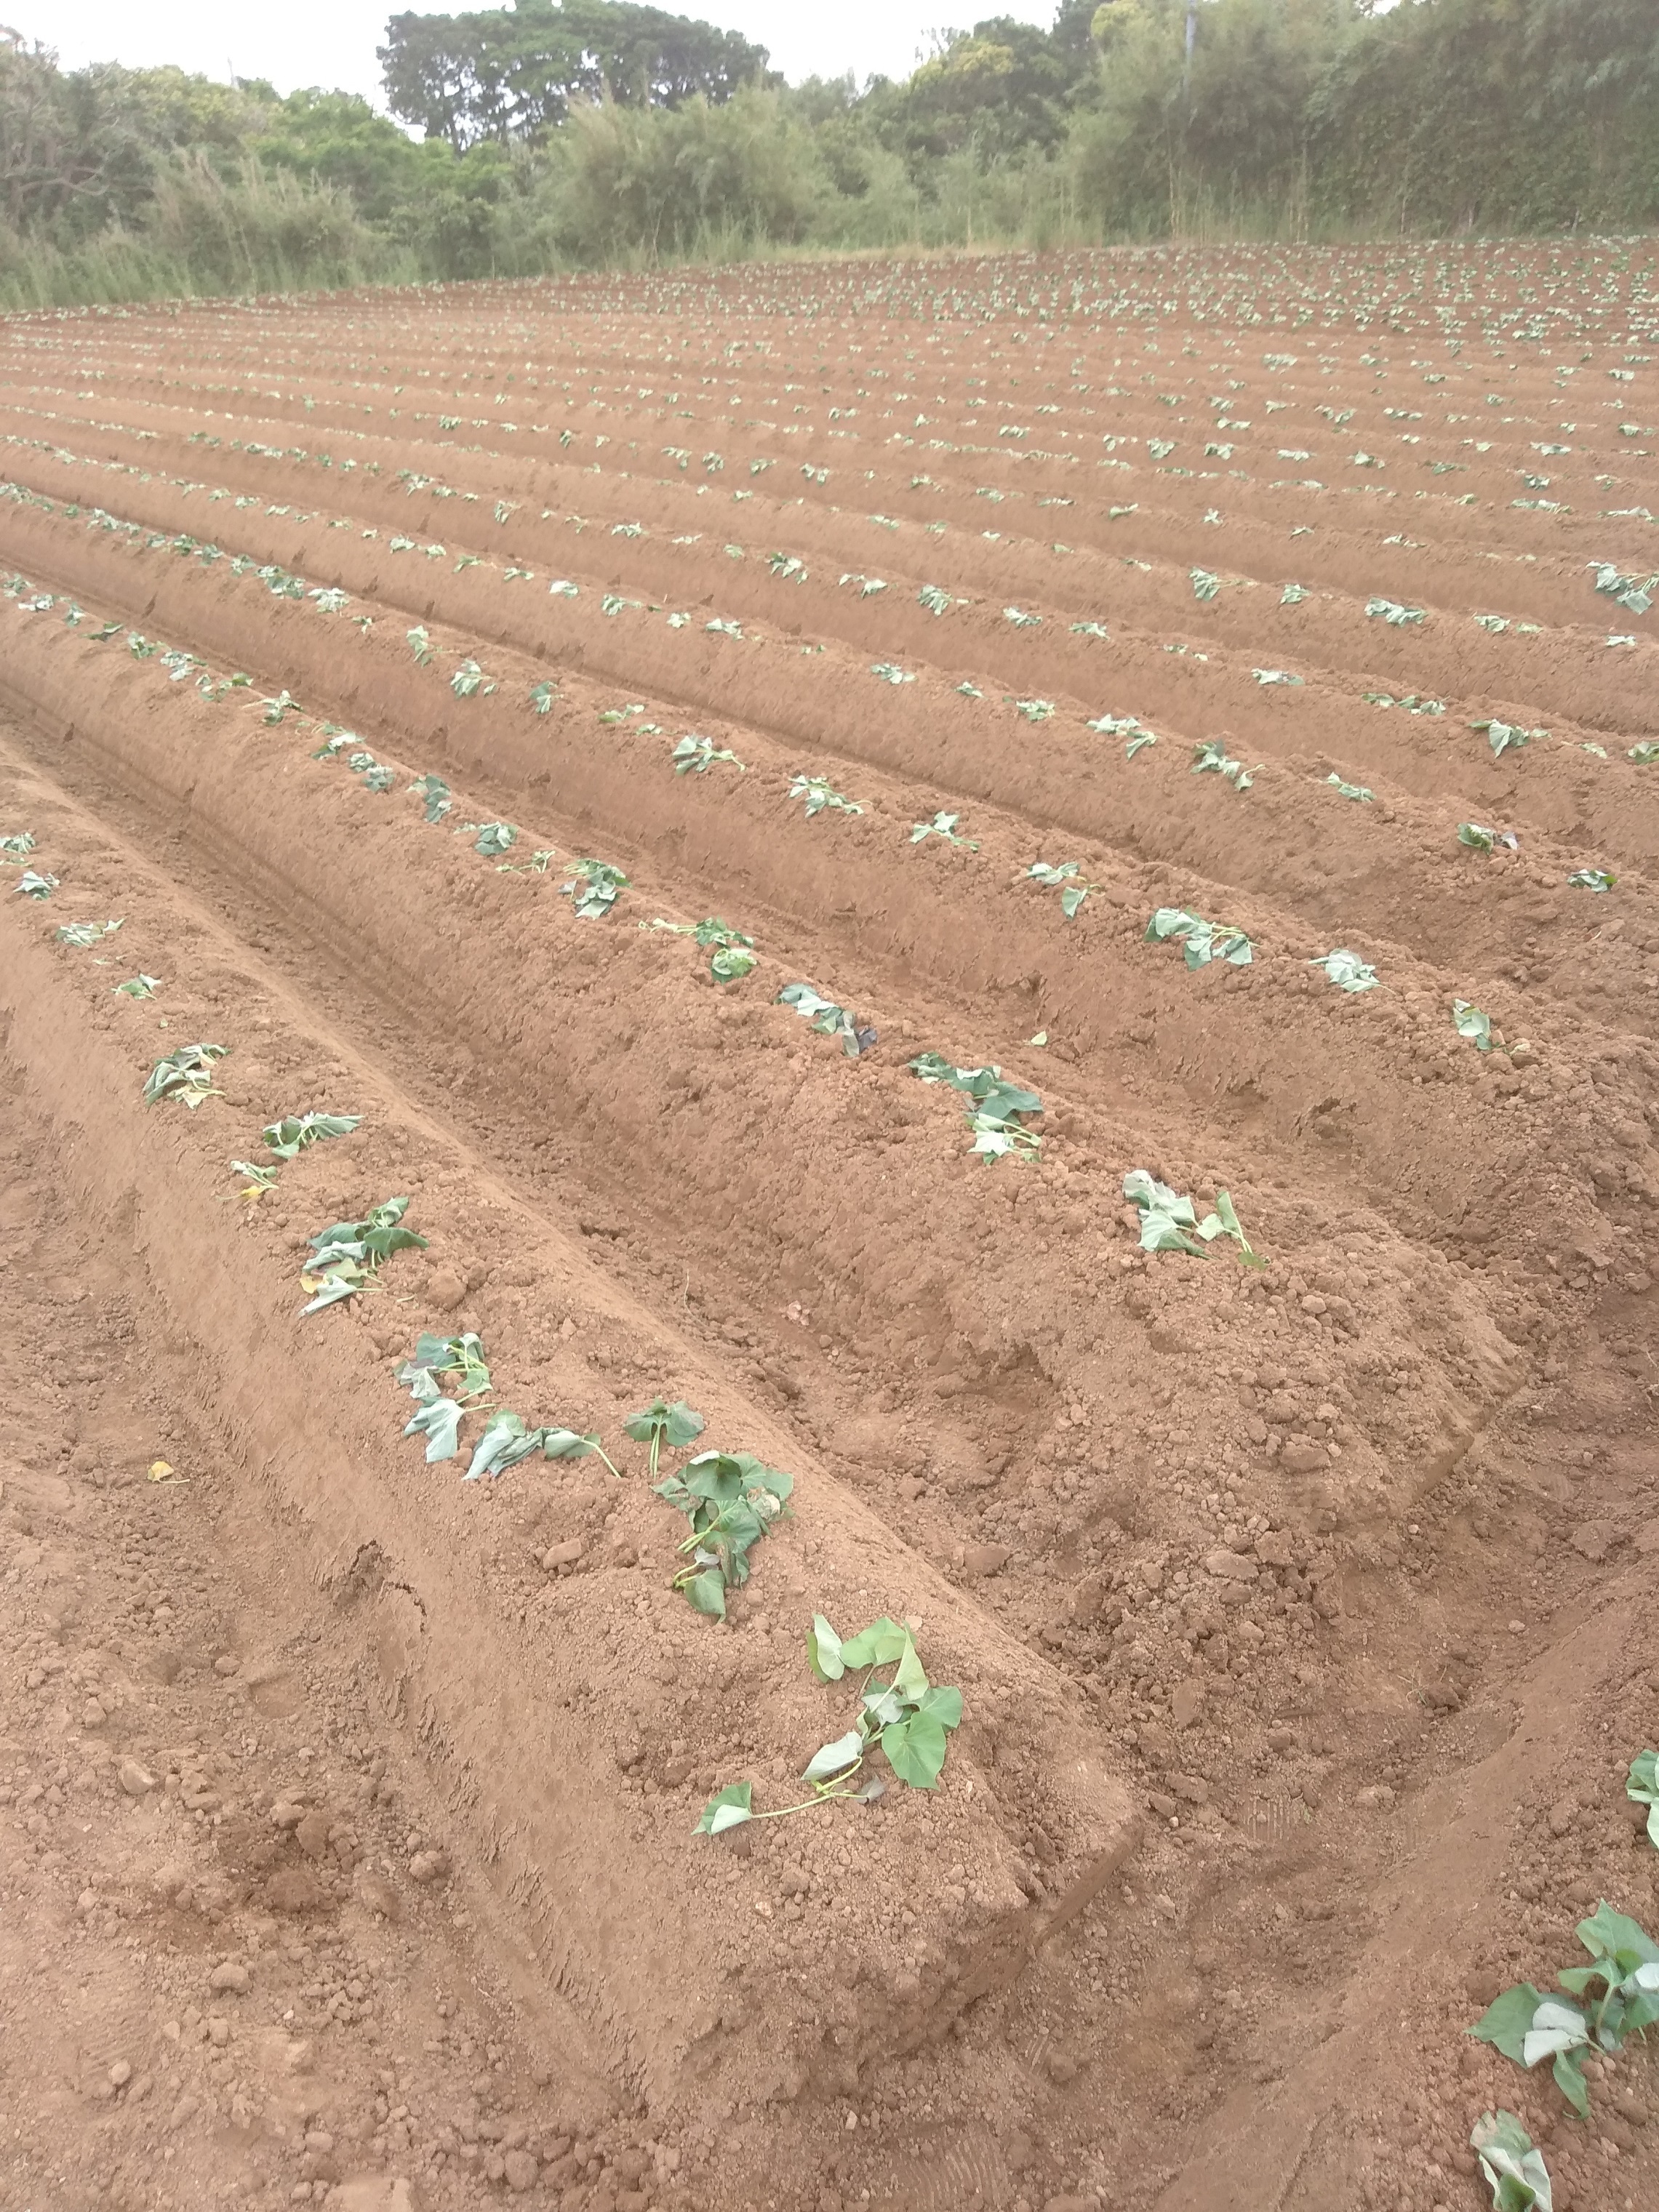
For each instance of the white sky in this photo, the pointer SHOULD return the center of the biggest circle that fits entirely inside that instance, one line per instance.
(332, 42)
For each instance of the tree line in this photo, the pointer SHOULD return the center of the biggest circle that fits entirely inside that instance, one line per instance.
(564, 133)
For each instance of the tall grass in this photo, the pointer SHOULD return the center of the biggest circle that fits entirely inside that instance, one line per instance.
(206, 234)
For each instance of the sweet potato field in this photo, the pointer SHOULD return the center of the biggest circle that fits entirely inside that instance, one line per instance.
(889, 1033)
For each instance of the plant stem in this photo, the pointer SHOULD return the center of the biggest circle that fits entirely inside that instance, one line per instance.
(828, 1795)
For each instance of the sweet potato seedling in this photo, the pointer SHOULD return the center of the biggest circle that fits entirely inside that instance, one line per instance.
(593, 886)
(997, 1113)
(1642, 1788)
(944, 826)
(1170, 1222)
(31, 885)
(1411, 702)
(1202, 941)
(908, 1718)
(1347, 969)
(506, 1441)
(1507, 736)
(1527, 2026)
(828, 1019)
(437, 1418)
(1511, 2164)
(462, 1357)
(1636, 593)
(137, 986)
(83, 934)
(695, 756)
(433, 794)
(186, 1074)
(819, 795)
(1211, 758)
(731, 1500)
(1058, 878)
(665, 1421)
(1469, 1022)
(347, 1257)
(295, 1132)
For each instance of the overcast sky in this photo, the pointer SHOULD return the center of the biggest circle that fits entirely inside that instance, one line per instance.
(333, 42)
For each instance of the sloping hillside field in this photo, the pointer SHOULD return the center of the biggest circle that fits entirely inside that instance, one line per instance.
(1021, 891)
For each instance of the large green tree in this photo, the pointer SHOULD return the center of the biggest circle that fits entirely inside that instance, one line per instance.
(512, 73)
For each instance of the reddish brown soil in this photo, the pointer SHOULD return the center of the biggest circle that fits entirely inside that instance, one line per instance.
(1304, 1619)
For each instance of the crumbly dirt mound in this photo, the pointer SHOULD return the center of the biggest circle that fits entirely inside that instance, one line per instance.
(1300, 1593)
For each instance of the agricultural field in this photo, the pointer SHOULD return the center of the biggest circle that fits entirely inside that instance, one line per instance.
(831, 1171)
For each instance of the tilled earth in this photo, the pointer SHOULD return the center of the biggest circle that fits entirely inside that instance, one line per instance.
(1304, 1612)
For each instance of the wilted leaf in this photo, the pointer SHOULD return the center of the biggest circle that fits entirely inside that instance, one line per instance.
(1204, 941)
(289, 1137)
(1347, 969)
(728, 1809)
(1469, 1022)
(823, 1650)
